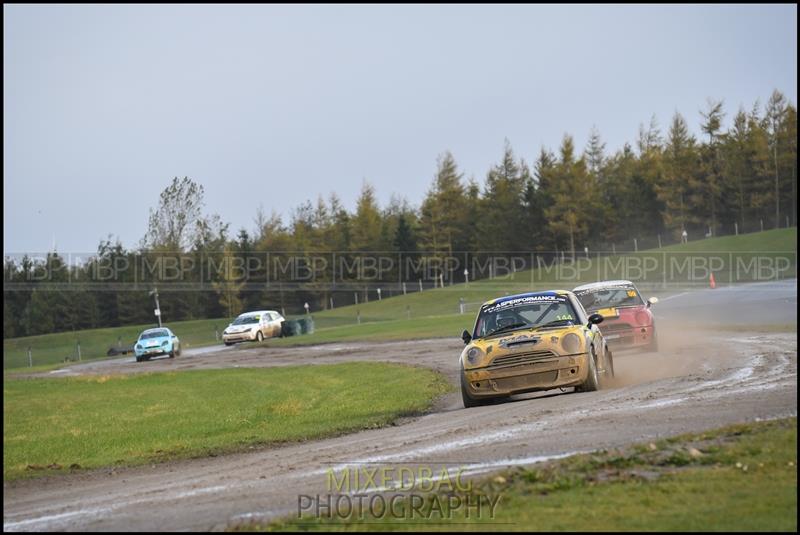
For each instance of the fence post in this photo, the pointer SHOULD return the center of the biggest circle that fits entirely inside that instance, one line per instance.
(635, 245)
(79, 350)
(355, 295)
(420, 285)
(379, 294)
(787, 221)
(404, 288)
(331, 302)
(358, 316)
(736, 228)
(30, 358)
(460, 305)
(441, 279)
(659, 241)
(762, 225)
(613, 249)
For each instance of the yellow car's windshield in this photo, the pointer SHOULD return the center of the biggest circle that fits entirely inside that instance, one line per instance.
(524, 312)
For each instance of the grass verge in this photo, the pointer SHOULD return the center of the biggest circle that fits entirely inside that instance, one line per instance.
(449, 326)
(739, 478)
(59, 425)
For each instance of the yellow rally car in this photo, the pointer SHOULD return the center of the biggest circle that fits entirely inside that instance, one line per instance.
(533, 341)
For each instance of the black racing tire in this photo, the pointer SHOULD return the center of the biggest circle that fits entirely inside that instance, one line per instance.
(592, 383)
(172, 354)
(653, 346)
(608, 367)
(138, 359)
(259, 336)
(468, 400)
(609, 364)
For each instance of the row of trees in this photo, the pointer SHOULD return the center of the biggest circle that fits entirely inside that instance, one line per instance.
(666, 182)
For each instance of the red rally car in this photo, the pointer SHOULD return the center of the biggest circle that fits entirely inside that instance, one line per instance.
(628, 320)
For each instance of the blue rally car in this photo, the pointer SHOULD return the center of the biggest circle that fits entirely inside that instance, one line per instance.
(154, 342)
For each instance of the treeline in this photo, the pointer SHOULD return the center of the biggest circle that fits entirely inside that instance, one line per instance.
(742, 177)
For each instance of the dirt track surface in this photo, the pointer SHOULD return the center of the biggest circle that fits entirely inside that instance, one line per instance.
(701, 378)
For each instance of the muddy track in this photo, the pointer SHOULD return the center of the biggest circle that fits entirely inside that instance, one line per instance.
(701, 378)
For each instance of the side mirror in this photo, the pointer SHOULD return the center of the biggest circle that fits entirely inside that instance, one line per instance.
(652, 301)
(466, 337)
(595, 318)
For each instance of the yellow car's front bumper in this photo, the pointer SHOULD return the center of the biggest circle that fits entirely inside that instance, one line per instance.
(545, 374)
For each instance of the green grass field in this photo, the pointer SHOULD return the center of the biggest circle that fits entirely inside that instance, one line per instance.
(56, 348)
(421, 307)
(740, 478)
(429, 327)
(50, 425)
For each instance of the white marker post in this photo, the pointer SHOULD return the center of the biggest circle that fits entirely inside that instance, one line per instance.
(158, 307)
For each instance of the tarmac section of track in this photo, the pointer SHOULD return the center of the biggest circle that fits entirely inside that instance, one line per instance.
(701, 378)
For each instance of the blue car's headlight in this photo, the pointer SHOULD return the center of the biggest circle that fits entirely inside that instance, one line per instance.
(138, 346)
(165, 343)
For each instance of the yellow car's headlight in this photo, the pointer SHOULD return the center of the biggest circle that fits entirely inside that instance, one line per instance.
(474, 354)
(571, 343)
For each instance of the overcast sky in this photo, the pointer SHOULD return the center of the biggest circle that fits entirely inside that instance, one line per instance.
(272, 105)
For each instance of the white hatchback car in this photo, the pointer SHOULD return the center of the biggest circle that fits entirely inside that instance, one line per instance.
(251, 326)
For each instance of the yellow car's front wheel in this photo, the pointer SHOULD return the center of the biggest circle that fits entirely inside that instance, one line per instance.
(468, 400)
(592, 382)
